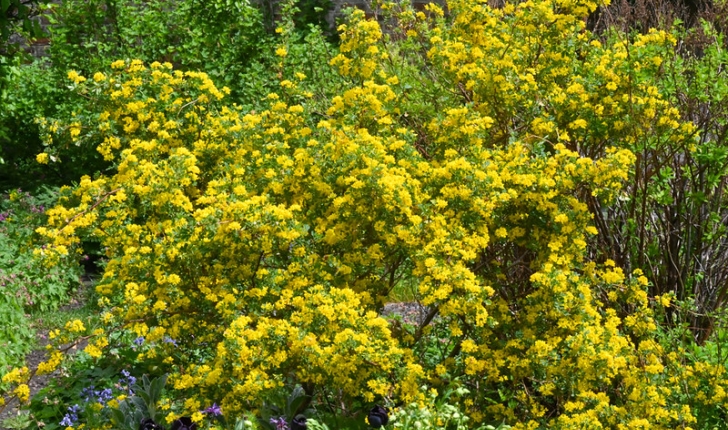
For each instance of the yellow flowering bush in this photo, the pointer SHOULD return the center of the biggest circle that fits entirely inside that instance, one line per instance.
(255, 250)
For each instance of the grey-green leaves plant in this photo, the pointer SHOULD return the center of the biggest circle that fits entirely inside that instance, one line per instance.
(141, 405)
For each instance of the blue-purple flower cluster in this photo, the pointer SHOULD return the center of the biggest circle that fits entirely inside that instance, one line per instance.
(90, 394)
(213, 410)
(71, 417)
(127, 382)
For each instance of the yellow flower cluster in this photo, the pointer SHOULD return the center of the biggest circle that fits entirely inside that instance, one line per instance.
(360, 54)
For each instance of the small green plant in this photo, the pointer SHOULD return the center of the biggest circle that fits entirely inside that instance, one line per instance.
(438, 412)
(22, 420)
(85, 391)
(40, 288)
(246, 422)
(293, 404)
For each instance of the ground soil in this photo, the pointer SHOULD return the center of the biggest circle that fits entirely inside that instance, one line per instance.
(411, 312)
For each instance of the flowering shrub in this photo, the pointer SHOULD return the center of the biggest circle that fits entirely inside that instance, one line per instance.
(677, 188)
(253, 251)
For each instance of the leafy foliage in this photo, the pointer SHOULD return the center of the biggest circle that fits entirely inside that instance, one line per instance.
(219, 37)
(30, 92)
(670, 220)
(26, 285)
(142, 405)
(225, 39)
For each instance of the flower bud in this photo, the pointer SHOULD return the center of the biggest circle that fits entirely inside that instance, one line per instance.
(299, 423)
(378, 417)
(149, 424)
(184, 423)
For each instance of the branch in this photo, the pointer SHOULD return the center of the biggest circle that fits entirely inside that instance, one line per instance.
(98, 202)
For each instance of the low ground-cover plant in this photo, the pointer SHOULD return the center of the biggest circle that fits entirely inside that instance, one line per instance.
(26, 285)
(252, 251)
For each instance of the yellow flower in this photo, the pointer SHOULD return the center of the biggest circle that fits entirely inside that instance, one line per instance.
(22, 391)
(665, 300)
(75, 77)
(75, 326)
(93, 351)
(42, 158)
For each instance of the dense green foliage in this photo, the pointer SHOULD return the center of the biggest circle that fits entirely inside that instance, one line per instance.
(27, 93)
(221, 38)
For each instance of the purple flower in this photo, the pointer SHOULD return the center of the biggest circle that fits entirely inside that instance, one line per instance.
(67, 421)
(104, 395)
(139, 340)
(88, 393)
(71, 417)
(101, 396)
(213, 410)
(128, 379)
(168, 339)
(280, 423)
